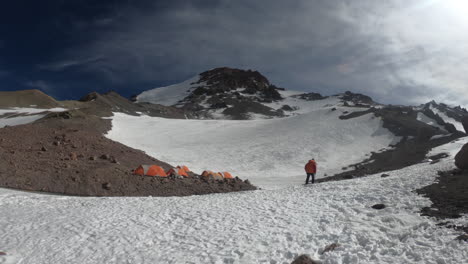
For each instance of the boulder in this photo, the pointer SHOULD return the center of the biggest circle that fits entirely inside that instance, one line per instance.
(378, 206)
(304, 259)
(461, 159)
(465, 123)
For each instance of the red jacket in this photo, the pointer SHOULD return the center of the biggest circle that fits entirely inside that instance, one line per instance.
(311, 167)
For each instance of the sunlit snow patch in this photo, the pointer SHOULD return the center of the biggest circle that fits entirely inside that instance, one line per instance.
(268, 152)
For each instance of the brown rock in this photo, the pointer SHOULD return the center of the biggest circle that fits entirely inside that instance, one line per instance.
(2, 253)
(93, 158)
(304, 259)
(105, 156)
(43, 149)
(106, 186)
(57, 143)
(461, 159)
(73, 156)
(330, 247)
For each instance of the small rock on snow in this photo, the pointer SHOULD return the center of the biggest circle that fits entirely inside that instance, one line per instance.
(378, 206)
(330, 247)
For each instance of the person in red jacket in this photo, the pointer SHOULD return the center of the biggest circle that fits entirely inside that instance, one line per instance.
(311, 169)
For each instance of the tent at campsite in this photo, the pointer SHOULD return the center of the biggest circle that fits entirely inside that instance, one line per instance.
(179, 171)
(226, 175)
(212, 175)
(150, 170)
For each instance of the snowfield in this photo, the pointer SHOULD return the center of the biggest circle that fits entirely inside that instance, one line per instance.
(265, 226)
(170, 95)
(20, 116)
(269, 152)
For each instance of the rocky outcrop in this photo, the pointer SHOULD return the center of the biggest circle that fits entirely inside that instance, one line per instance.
(465, 123)
(357, 99)
(457, 113)
(461, 159)
(238, 93)
(310, 96)
(104, 105)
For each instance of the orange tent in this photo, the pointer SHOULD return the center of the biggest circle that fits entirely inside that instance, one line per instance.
(212, 175)
(185, 168)
(150, 170)
(178, 171)
(226, 175)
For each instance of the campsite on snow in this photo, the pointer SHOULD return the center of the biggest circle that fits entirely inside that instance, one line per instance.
(211, 170)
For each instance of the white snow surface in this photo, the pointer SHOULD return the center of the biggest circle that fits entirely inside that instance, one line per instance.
(264, 226)
(271, 153)
(20, 116)
(169, 95)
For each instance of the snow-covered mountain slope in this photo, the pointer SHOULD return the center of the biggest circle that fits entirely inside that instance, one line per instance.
(269, 152)
(169, 95)
(265, 226)
(458, 125)
(453, 115)
(20, 116)
(226, 93)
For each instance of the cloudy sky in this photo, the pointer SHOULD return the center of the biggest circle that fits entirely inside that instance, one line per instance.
(397, 51)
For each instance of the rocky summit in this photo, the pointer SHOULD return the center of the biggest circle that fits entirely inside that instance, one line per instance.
(233, 92)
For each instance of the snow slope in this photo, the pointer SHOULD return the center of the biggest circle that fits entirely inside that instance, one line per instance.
(447, 119)
(268, 152)
(20, 116)
(425, 119)
(265, 226)
(169, 95)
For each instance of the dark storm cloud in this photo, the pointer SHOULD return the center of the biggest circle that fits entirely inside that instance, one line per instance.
(381, 49)
(3, 73)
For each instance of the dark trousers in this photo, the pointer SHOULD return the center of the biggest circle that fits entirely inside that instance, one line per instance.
(308, 176)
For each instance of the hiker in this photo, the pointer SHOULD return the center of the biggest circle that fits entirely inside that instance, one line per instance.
(311, 169)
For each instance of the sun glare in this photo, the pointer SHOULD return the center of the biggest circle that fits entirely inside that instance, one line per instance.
(459, 7)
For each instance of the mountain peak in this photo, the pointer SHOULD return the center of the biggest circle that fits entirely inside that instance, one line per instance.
(226, 91)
